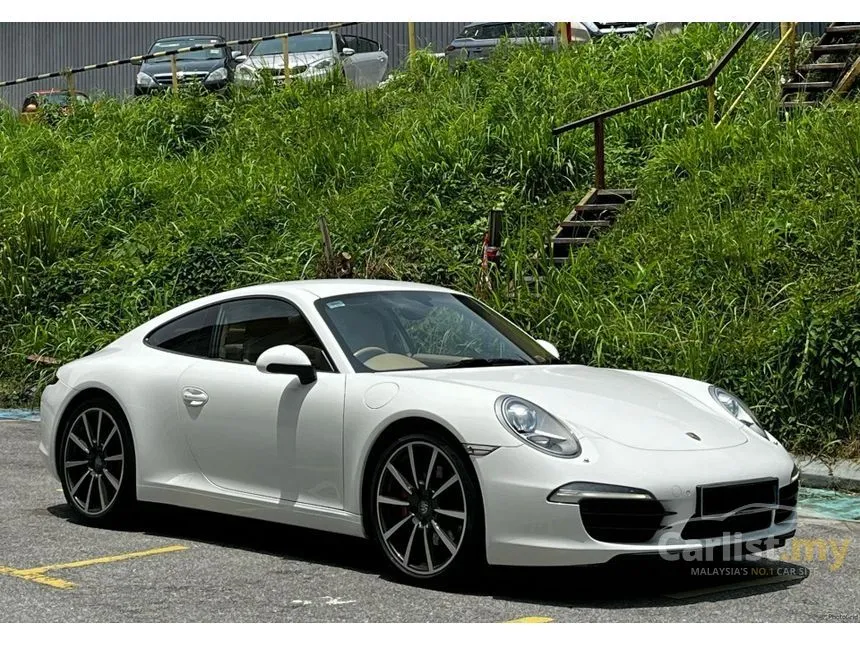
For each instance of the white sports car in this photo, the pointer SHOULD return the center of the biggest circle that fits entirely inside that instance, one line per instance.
(417, 417)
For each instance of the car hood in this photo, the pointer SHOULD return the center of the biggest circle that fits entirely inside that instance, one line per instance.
(162, 66)
(631, 408)
(277, 60)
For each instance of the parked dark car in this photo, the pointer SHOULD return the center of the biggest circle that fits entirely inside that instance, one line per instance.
(213, 66)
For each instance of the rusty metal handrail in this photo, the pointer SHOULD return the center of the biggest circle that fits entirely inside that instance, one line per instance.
(173, 52)
(708, 81)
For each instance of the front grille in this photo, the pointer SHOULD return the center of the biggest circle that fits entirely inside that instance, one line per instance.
(732, 508)
(626, 521)
(787, 501)
(185, 77)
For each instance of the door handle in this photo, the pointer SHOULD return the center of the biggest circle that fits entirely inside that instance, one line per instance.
(194, 397)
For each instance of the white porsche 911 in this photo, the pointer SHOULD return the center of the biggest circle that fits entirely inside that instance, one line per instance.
(417, 417)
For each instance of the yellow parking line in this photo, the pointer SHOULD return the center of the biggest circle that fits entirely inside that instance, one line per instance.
(531, 619)
(36, 574)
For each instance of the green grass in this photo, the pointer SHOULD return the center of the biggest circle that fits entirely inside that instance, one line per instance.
(738, 264)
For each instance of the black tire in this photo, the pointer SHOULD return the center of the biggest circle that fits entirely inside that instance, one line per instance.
(99, 487)
(426, 517)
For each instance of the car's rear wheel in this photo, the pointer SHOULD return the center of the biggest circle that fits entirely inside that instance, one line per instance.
(426, 509)
(97, 462)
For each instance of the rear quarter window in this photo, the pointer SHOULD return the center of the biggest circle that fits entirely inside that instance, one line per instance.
(190, 334)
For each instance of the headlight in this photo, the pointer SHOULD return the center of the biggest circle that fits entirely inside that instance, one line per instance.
(217, 75)
(325, 63)
(145, 80)
(738, 409)
(246, 73)
(536, 427)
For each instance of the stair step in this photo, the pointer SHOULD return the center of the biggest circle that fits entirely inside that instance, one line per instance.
(822, 67)
(611, 195)
(611, 207)
(574, 241)
(805, 86)
(592, 223)
(843, 29)
(837, 48)
(796, 104)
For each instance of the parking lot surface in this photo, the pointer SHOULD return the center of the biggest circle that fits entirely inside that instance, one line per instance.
(177, 565)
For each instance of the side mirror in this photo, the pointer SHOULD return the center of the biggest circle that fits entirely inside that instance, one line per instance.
(548, 346)
(287, 359)
(238, 56)
(136, 63)
(347, 51)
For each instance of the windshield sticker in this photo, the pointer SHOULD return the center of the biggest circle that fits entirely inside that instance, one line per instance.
(335, 304)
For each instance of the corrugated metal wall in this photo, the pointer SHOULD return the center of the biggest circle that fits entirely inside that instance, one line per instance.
(27, 49)
(33, 48)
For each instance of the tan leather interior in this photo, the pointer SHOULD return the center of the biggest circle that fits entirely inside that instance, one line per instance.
(393, 362)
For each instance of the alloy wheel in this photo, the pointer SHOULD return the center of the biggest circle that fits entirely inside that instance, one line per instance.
(421, 508)
(94, 461)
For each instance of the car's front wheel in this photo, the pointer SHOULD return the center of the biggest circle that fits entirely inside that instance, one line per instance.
(426, 509)
(96, 462)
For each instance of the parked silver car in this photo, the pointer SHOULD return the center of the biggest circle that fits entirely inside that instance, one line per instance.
(478, 39)
(313, 56)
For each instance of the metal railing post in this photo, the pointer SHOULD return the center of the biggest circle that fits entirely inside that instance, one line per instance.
(599, 157)
(412, 45)
(285, 46)
(173, 74)
(561, 28)
(70, 84)
(712, 101)
(784, 29)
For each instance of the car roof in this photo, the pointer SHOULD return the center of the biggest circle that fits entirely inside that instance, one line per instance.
(53, 91)
(341, 287)
(191, 37)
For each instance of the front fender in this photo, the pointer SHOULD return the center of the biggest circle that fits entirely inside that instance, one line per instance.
(466, 412)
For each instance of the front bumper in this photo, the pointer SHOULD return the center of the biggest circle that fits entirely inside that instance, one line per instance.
(53, 398)
(524, 529)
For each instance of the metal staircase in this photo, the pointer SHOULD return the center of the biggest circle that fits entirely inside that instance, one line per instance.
(833, 66)
(594, 214)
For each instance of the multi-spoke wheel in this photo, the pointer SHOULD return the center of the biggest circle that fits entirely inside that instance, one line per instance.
(97, 461)
(426, 508)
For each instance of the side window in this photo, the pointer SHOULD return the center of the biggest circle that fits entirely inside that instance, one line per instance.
(366, 45)
(349, 41)
(190, 334)
(249, 327)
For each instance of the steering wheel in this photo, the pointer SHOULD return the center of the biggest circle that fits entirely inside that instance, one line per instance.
(373, 349)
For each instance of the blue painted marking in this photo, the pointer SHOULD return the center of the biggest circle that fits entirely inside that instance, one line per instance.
(7, 414)
(829, 504)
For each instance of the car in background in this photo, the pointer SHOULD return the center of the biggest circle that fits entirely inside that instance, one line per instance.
(53, 99)
(623, 29)
(313, 56)
(478, 39)
(212, 67)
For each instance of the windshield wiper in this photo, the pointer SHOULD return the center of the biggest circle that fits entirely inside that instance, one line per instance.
(486, 362)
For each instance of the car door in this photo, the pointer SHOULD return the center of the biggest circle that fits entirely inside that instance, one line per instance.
(349, 63)
(369, 60)
(259, 433)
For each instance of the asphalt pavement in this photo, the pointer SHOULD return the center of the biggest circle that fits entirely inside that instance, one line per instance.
(179, 565)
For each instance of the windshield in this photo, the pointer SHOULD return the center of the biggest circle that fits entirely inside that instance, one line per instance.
(296, 45)
(489, 31)
(401, 330)
(217, 49)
